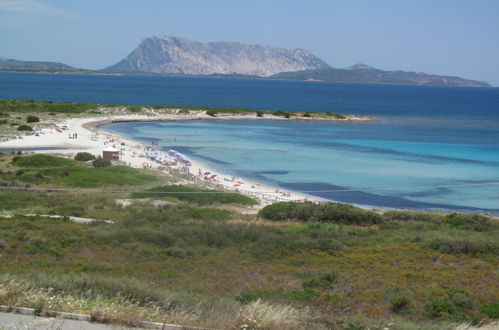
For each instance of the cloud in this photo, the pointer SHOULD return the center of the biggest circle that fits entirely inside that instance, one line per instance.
(31, 8)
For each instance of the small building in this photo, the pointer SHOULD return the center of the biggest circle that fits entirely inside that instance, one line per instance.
(111, 153)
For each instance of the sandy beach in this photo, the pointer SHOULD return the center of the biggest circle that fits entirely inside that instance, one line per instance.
(84, 134)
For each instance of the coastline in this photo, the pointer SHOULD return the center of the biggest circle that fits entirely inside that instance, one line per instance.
(91, 138)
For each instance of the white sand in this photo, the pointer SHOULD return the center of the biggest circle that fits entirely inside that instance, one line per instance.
(93, 143)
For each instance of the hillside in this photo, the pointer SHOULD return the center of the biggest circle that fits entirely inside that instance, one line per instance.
(7, 64)
(172, 55)
(194, 260)
(366, 74)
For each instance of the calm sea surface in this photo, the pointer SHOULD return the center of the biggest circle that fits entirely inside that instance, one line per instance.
(427, 139)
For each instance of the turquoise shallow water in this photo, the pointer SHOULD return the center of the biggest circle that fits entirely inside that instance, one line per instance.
(325, 157)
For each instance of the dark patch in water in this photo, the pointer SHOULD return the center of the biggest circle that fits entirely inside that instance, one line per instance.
(430, 159)
(191, 152)
(274, 172)
(427, 193)
(366, 198)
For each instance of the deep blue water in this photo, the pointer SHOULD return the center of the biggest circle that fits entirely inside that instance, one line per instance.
(366, 99)
(429, 137)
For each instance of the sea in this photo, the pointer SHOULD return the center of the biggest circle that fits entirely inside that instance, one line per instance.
(427, 148)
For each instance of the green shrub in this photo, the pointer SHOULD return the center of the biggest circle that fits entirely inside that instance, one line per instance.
(195, 195)
(3, 121)
(465, 245)
(336, 115)
(280, 113)
(176, 252)
(38, 307)
(321, 280)
(24, 128)
(324, 212)
(491, 309)
(400, 299)
(211, 113)
(134, 108)
(84, 156)
(104, 176)
(38, 161)
(43, 106)
(438, 309)
(247, 296)
(101, 162)
(16, 200)
(306, 115)
(259, 113)
(469, 221)
(32, 119)
(184, 111)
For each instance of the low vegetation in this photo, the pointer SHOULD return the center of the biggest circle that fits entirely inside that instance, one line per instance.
(45, 169)
(195, 195)
(84, 157)
(26, 106)
(178, 254)
(24, 128)
(52, 108)
(32, 119)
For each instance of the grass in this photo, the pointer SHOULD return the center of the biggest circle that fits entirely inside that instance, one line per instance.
(28, 106)
(45, 169)
(195, 195)
(192, 261)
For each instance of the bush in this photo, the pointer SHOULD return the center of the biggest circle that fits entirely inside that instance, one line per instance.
(176, 252)
(32, 119)
(400, 299)
(187, 194)
(104, 176)
(321, 281)
(42, 161)
(285, 114)
(491, 310)
(438, 309)
(184, 111)
(101, 162)
(464, 245)
(84, 156)
(24, 128)
(134, 108)
(469, 221)
(259, 113)
(324, 212)
(211, 113)
(3, 121)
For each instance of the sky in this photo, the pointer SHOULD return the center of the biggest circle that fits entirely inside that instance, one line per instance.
(449, 37)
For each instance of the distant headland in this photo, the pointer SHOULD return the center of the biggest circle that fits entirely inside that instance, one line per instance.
(178, 56)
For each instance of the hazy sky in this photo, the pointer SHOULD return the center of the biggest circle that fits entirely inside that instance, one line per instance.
(453, 37)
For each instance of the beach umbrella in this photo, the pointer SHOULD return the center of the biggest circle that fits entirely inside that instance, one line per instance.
(237, 185)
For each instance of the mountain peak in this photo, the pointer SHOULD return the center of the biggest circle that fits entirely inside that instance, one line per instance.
(175, 55)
